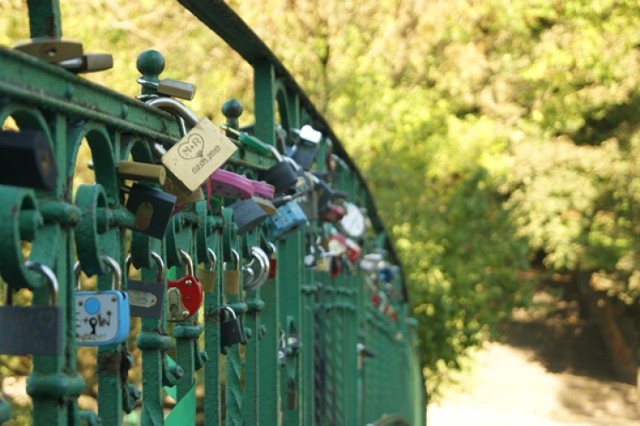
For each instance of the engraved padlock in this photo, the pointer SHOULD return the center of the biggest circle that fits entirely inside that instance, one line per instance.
(190, 291)
(152, 209)
(247, 214)
(286, 219)
(256, 272)
(199, 153)
(32, 163)
(102, 317)
(146, 298)
(231, 332)
(36, 329)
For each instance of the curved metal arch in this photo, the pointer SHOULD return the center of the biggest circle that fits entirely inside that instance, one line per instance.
(26, 117)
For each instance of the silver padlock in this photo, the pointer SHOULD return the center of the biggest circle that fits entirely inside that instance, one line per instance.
(256, 272)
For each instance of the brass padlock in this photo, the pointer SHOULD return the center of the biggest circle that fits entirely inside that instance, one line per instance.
(182, 197)
(89, 62)
(143, 172)
(199, 153)
(169, 87)
(231, 277)
(209, 277)
(52, 50)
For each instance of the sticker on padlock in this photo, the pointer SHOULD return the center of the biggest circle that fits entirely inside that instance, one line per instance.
(152, 209)
(247, 214)
(146, 299)
(190, 292)
(32, 330)
(209, 276)
(102, 317)
(286, 219)
(224, 183)
(231, 332)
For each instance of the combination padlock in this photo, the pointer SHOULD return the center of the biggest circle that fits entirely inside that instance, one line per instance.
(189, 292)
(36, 329)
(231, 332)
(146, 299)
(286, 219)
(102, 317)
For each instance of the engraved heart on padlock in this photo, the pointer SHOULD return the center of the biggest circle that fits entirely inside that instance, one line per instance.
(192, 147)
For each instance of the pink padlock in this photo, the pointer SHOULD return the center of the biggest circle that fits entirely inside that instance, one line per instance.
(263, 189)
(224, 183)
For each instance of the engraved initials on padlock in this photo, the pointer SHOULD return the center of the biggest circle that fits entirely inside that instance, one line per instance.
(35, 330)
(102, 317)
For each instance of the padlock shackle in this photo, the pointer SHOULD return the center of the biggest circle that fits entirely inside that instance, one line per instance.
(213, 259)
(175, 108)
(159, 265)
(236, 259)
(115, 271)
(49, 275)
(187, 261)
(230, 309)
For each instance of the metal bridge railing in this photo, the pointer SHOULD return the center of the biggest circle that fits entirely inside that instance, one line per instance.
(267, 291)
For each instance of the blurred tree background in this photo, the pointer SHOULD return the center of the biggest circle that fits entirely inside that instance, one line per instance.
(497, 136)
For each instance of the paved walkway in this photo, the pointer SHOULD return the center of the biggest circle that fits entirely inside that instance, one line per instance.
(549, 371)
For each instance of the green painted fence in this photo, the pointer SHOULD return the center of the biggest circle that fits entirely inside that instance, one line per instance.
(329, 337)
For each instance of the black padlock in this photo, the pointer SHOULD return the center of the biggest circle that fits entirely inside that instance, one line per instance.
(306, 147)
(231, 332)
(247, 214)
(28, 160)
(153, 209)
(34, 330)
(281, 176)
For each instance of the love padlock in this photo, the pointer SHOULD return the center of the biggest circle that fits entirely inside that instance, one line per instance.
(102, 317)
(146, 299)
(32, 162)
(224, 183)
(256, 272)
(247, 214)
(306, 146)
(286, 219)
(152, 208)
(190, 292)
(209, 277)
(231, 332)
(35, 330)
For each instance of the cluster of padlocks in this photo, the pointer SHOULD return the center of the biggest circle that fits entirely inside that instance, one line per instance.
(214, 217)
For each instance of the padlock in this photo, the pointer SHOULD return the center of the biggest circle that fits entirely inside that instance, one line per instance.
(231, 277)
(169, 87)
(209, 277)
(249, 141)
(286, 219)
(182, 197)
(146, 299)
(36, 329)
(370, 261)
(88, 62)
(231, 332)
(247, 214)
(224, 183)
(49, 49)
(305, 149)
(273, 260)
(282, 175)
(102, 317)
(199, 153)
(308, 200)
(152, 208)
(256, 272)
(354, 251)
(263, 189)
(29, 160)
(142, 172)
(266, 205)
(190, 291)
(332, 213)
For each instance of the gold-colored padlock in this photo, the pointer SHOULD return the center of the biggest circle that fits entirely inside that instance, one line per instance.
(231, 277)
(142, 172)
(182, 197)
(197, 155)
(209, 276)
(266, 205)
(52, 50)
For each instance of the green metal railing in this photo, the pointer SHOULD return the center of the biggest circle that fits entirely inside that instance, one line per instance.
(329, 339)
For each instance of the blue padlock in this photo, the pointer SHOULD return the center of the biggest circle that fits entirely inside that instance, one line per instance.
(102, 317)
(287, 218)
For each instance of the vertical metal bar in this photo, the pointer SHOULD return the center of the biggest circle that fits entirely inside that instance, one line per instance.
(44, 18)
(269, 409)
(212, 384)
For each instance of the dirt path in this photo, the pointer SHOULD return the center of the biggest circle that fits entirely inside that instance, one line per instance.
(551, 369)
